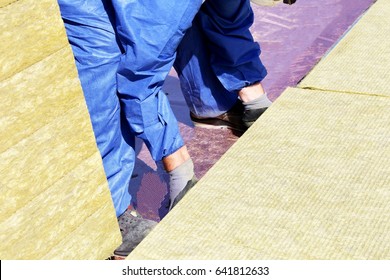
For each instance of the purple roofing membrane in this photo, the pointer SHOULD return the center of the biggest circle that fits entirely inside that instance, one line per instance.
(293, 39)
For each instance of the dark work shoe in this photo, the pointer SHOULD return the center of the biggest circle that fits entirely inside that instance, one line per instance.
(232, 119)
(250, 116)
(183, 192)
(134, 230)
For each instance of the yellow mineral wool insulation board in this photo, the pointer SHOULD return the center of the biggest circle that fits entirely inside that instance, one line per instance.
(309, 180)
(4, 3)
(360, 62)
(55, 201)
(29, 31)
(51, 85)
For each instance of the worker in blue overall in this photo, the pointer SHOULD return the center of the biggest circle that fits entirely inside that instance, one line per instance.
(125, 49)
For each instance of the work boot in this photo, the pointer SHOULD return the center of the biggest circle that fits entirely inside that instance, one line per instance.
(237, 118)
(232, 119)
(183, 192)
(134, 230)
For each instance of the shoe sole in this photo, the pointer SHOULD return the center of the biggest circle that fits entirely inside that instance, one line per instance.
(265, 2)
(216, 124)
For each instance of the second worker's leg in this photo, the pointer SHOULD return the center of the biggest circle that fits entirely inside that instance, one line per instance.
(225, 45)
(235, 55)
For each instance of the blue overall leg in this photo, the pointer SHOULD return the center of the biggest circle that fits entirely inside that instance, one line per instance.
(150, 31)
(218, 57)
(90, 31)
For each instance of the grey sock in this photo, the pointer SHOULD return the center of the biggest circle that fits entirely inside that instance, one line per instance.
(261, 102)
(179, 177)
